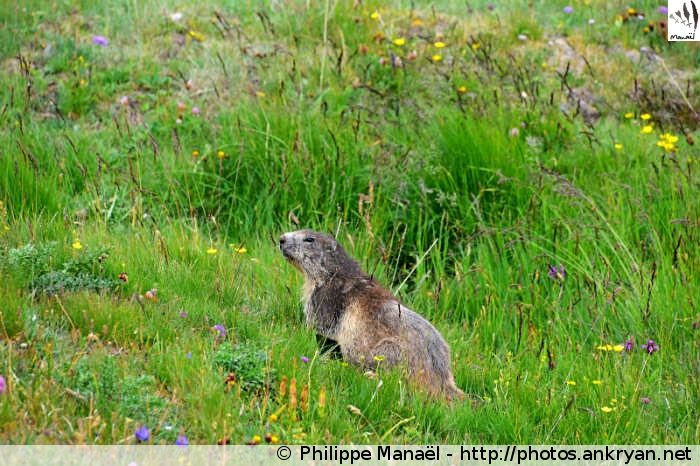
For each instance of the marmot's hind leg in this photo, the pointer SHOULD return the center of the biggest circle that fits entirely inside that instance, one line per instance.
(329, 346)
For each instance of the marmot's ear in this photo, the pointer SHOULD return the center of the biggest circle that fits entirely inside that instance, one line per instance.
(333, 245)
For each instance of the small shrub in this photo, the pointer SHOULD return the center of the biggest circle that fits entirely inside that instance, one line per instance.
(33, 263)
(60, 282)
(30, 259)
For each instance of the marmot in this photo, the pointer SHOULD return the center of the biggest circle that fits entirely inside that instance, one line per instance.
(371, 327)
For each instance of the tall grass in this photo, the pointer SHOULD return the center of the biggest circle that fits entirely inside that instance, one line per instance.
(469, 178)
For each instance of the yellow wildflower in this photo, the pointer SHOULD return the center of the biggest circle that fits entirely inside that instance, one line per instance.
(618, 348)
(596, 382)
(221, 154)
(666, 141)
(668, 137)
(416, 22)
(629, 115)
(645, 116)
(668, 146)
(462, 89)
(399, 41)
(618, 146)
(198, 36)
(241, 250)
(211, 251)
(195, 153)
(77, 245)
(476, 45)
(570, 382)
(647, 129)
(374, 15)
(606, 409)
(439, 45)
(437, 58)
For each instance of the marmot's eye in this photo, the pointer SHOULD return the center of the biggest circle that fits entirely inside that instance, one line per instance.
(309, 239)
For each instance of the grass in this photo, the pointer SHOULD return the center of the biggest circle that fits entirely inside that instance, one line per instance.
(144, 183)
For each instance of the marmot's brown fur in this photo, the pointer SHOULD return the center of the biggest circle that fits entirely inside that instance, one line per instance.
(369, 324)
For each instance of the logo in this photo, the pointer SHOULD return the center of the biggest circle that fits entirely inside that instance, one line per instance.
(683, 20)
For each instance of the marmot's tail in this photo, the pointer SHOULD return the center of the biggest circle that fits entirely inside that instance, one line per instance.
(453, 393)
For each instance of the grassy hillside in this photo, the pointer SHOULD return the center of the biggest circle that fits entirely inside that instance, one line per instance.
(525, 177)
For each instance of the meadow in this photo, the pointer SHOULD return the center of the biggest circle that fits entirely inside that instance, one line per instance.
(524, 175)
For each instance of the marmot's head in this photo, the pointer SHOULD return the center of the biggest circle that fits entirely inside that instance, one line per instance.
(316, 255)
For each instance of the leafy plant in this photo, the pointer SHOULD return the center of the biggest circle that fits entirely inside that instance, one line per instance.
(30, 260)
(248, 365)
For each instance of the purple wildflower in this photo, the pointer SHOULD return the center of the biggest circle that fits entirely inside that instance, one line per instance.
(568, 9)
(490, 7)
(142, 434)
(663, 10)
(195, 110)
(2, 385)
(645, 400)
(182, 441)
(555, 273)
(650, 346)
(100, 40)
(304, 359)
(220, 330)
(183, 314)
(189, 355)
(591, 21)
(629, 345)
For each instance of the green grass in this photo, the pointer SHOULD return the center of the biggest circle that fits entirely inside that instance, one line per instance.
(130, 226)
